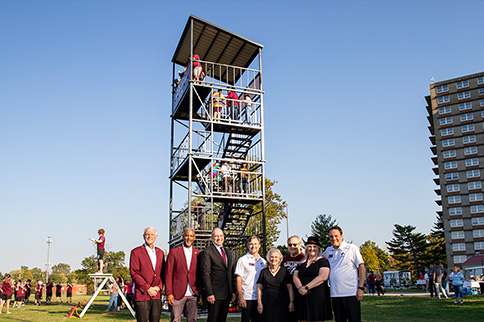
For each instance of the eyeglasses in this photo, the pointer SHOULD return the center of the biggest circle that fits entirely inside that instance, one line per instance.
(293, 245)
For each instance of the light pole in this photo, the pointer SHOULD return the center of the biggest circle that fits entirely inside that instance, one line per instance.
(49, 241)
(287, 222)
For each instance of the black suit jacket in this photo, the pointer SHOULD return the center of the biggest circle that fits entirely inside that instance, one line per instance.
(218, 279)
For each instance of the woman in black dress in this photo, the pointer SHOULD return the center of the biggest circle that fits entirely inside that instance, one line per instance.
(275, 297)
(310, 279)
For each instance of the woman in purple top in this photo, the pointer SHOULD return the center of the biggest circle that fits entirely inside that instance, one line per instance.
(6, 290)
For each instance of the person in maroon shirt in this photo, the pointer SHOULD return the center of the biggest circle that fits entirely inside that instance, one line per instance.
(100, 249)
(58, 292)
(232, 104)
(19, 294)
(290, 262)
(69, 292)
(48, 292)
(128, 290)
(6, 290)
(27, 291)
(38, 292)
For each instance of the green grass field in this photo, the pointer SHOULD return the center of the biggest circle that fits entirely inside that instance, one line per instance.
(374, 309)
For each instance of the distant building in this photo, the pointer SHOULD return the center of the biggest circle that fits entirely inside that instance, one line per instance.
(456, 117)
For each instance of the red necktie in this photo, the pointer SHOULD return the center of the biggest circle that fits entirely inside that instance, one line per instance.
(223, 255)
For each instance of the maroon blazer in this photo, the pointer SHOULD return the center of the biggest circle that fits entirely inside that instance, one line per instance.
(143, 274)
(178, 275)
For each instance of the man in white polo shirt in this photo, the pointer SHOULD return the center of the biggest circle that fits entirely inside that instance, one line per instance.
(346, 278)
(247, 273)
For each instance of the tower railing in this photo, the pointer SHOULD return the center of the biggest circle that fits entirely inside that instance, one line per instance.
(203, 148)
(223, 76)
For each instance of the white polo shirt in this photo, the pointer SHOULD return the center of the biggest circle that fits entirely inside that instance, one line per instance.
(344, 262)
(249, 269)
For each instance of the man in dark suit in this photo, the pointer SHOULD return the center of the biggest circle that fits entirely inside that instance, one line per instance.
(217, 269)
(146, 265)
(182, 287)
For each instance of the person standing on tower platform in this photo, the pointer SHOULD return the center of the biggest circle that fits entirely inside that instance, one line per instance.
(233, 104)
(218, 103)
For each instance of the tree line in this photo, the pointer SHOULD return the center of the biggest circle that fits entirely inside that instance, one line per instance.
(407, 250)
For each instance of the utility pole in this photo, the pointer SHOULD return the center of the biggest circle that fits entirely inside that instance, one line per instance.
(49, 241)
(287, 222)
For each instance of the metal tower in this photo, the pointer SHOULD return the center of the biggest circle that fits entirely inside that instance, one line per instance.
(217, 137)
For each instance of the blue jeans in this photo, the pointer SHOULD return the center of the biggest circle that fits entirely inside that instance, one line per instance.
(445, 285)
(459, 291)
(113, 299)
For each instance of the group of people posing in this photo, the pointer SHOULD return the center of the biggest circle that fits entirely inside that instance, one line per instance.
(21, 290)
(309, 286)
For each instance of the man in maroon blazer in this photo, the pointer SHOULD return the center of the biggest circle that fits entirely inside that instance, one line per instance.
(146, 264)
(182, 286)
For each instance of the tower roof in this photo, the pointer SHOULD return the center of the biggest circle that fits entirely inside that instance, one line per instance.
(215, 44)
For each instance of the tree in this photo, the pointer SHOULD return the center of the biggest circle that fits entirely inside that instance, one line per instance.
(58, 278)
(370, 258)
(436, 243)
(60, 273)
(38, 274)
(113, 261)
(283, 250)
(274, 214)
(320, 227)
(407, 248)
(26, 273)
(374, 257)
(23, 273)
(438, 229)
(115, 264)
(61, 268)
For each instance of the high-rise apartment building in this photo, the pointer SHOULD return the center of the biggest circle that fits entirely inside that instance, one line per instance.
(456, 117)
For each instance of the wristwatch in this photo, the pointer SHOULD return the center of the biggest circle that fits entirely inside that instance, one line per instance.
(361, 288)
(306, 287)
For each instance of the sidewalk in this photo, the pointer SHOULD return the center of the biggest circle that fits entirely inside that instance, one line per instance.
(416, 294)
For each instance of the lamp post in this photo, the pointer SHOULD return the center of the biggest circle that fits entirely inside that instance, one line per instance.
(287, 222)
(49, 241)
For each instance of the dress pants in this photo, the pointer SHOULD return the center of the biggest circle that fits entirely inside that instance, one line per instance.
(190, 304)
(250, 313)
(148, 311)
(346, 309)
(218, 311)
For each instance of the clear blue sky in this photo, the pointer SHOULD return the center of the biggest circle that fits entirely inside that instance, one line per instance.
(85, 114)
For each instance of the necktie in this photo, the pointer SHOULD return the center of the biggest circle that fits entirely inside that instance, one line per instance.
(223, 255)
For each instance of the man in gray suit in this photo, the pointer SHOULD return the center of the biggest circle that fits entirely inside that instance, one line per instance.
(218, 281)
